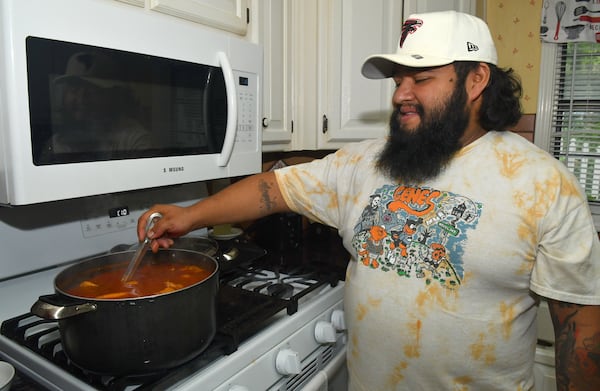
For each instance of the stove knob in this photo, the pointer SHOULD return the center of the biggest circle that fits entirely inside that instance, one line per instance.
(287, 362)
(238, 388)
(324, 332)
(338, 321)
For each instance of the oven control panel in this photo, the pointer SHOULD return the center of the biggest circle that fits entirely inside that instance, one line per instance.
(298, 358)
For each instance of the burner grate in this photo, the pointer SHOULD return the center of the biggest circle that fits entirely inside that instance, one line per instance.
(291, 285)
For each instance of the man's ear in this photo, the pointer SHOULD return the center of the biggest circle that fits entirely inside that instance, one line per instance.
(477, 81)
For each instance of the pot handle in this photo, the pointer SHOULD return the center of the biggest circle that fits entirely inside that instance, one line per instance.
(58, 307)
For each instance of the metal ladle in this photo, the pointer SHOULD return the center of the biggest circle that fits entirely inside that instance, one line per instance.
(141, 250)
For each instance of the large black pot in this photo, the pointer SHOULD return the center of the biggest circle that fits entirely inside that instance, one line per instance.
(138, 335)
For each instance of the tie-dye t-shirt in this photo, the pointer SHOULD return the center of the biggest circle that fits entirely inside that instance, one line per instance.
(438, 293)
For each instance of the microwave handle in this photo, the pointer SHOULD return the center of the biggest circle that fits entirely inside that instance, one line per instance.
(230, 131)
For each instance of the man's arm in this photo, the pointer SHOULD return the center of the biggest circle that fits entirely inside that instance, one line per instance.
(249, 199)
(577, 335)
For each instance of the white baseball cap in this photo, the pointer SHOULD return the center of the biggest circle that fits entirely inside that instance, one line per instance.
(93, 68)
(434, 39)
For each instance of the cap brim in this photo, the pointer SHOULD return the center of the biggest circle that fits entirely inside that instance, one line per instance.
(382, 66)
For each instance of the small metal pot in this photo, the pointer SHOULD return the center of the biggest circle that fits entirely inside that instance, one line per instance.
(137, 335)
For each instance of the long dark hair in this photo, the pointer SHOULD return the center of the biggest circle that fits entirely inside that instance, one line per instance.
(501, 104)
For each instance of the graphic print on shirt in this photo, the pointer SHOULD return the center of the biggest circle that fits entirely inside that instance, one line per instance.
(417, 232)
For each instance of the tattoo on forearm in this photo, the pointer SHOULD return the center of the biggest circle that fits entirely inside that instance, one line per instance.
(576, 366)
(565, 341)
(266, 200)
(590, 359)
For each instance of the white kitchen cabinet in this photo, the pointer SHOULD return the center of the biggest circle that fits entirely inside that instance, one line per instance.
(229, 15)
(288, 33)
(314, 50)
(275, 34)
(352, 107)
(419, 6)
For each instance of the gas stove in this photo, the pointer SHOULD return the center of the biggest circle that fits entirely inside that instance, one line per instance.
(279, 322)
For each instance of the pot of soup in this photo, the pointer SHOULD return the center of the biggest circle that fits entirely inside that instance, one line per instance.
(163, 316)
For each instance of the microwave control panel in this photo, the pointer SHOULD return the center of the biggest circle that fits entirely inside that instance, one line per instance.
(247, 127)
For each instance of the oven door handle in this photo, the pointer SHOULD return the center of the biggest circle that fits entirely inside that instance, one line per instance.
(225, 155)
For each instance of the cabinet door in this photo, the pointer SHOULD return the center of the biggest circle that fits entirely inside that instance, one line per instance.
(275, 26)
(351, 107)
(229, 15)
(414, 6)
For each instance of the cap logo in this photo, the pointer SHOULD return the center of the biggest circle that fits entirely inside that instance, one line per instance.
(471, 47)
(409, 27)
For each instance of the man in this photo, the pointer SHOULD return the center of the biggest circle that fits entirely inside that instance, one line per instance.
(95, 113)
(474, 224)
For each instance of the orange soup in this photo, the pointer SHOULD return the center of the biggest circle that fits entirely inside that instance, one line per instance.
(148, 280)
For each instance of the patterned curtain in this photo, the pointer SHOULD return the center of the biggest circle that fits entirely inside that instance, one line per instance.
(570, 21)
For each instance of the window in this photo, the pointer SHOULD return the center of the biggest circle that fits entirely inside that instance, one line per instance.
(568, 124)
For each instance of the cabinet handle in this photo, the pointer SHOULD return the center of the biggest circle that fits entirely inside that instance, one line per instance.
(265, 122)
(325, 124)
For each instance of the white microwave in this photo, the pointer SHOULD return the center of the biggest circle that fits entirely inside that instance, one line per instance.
(99, 97)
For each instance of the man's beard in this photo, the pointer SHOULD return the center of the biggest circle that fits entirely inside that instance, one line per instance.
(413, 156)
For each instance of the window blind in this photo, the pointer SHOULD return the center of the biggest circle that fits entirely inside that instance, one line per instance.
(575, 133)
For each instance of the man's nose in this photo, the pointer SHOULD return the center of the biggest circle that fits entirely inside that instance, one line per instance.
(404, 91)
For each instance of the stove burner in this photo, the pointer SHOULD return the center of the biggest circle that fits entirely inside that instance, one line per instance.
(281, 290)
(293, 283)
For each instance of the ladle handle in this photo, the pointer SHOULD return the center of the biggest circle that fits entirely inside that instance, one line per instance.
(141, 250)
(151, 220)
